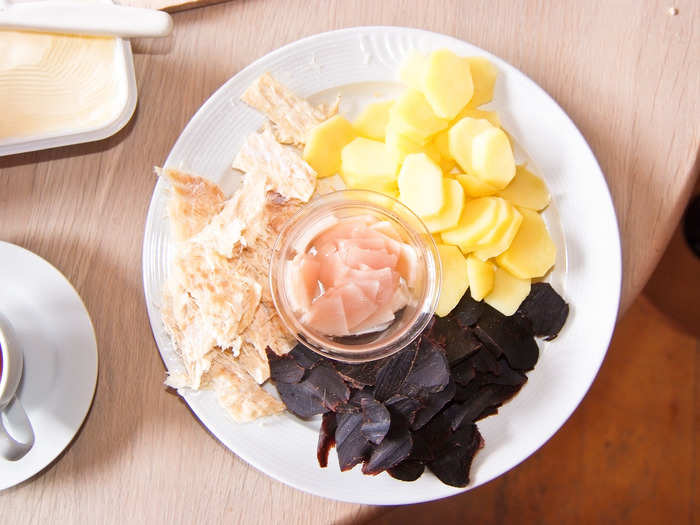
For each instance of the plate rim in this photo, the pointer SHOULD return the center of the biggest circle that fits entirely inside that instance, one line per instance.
(580, 140)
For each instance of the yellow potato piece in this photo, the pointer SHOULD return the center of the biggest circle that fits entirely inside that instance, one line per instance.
(454, 278)
(412, 72)
(532, 252)
(412, 116)
(420, 185)
(372, 122)
(451, 211)
(478, 217)
(401, 146)
(368, 164)
(480, 274)
(474, 186)
(492, 158)
(526, 190)
(460, 137)
(468, 111)
(442, 143)
(448, 83)
(324, 144)
(508, 292)
(484, 79)
(502, 241)
(504, 214)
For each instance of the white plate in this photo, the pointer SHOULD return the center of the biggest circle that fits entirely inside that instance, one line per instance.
(362, 63)
(60, 356)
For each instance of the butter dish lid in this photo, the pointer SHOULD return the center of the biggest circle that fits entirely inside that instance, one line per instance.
(92, 131)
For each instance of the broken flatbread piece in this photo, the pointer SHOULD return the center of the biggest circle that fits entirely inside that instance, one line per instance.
(292, 116)
(193, 202)
(286, 172)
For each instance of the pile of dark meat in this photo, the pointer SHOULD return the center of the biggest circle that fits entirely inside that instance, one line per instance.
(418, 407)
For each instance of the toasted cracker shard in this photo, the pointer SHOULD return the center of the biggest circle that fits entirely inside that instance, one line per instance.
(292, 116)
(286, 172)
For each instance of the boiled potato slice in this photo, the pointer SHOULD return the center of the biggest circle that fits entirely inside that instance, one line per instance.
(503, 240)
(532, 252)
(448, 83)
(385, 186)
(526, 190)
(469, 111)
(442, 143)
(413, 70)
(420, 185)
(478, 217)
(324, 143)
(401, 146)
(371, 123)
(504, 214)
(480, 274)
(492, 158)
(454, 278)
(366, 163)
(484, 79)
(460, 139)
(451, 211)
(474, 186)
(412, 116)
(508, 292)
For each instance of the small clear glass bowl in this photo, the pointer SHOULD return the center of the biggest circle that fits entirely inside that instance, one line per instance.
(409, 322)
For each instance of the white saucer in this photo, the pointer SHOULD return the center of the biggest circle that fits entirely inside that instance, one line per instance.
(60, 356)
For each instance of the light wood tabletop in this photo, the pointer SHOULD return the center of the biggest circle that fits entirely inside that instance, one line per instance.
(627, 72)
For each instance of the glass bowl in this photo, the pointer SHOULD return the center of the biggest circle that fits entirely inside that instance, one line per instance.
(409, 322)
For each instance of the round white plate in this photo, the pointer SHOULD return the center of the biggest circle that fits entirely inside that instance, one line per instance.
(60, 356)
(361, 64)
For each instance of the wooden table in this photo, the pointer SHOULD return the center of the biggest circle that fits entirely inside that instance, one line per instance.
(628, 73)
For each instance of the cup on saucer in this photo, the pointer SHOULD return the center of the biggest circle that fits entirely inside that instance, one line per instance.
(18, 439)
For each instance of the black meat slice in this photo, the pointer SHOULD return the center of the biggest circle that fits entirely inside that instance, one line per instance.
(545, 309)
(351, 445)
(462, 346)
(376, 421)
(361, 374)
(304, 357)
(453, 463)
(403, 405)
(468, 311)
(502, 335)
(430, 373)
(326, 438)
(431, 438)
(331, 388)
(301, 399)
(394, 448)
(407, 470)
(479, 405)
(393, 373)
(284, 368)
(504, 375)
(463, 372)
(432, 404)
(484, 361)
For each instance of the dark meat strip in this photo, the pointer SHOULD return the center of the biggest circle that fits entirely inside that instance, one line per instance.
(331, 388)
(468, 311)
(351, 445)
(304, 357)
(393, 373)
(394, 448)
(361, 374)
(403, 405)
(453, 463)
(407, 470)
(504, 336)
(376, 421)
(326, 438)
(284, 368)
(480, 405)
(302, 399)
(545, 309)
(430, 373)
(432, 404)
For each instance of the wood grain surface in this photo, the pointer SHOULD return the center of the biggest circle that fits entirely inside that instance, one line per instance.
(170, 6)
(627, 72)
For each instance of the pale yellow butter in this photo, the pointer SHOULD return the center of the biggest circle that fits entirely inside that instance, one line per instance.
(52, 84)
